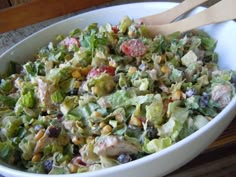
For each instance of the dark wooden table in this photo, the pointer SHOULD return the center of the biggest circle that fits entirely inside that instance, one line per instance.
(218, 160)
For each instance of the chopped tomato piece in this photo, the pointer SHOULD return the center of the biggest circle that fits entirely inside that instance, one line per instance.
(133, 48)
(104, 69)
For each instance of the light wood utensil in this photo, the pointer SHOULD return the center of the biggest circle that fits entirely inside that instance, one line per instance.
(171, 14)
(222, 11)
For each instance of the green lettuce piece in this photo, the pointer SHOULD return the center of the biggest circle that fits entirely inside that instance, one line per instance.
(82, 57)
(7, 151)
(189, 58)
(142, 84)
(203, 80)
(36, 168)
(121, 98)
(7, 101)
(122, 80)
(6, 85)
(177, 112)
(104, 84)
(187, 129)
(199, 121)
(67, 85)
(170, 129)
(30, 69)
(178, 117)
(195, 42)
(84, 111)
(120, 129)
(192, 102)
(57, 75)
(208, 43)
(154, 111)
(57, 96)
(108, 162)
(125, 98)
(27, 145)
(222, 77)
(62, 169)
(28, 100)
(68, 104)
(34, 69)
(10, 126)
(145, 99)
(88, 153)
(124, 24)
(177, 45)
(156, 145)
(176, 75)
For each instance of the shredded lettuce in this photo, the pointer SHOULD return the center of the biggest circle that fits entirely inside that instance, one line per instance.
(156, 145)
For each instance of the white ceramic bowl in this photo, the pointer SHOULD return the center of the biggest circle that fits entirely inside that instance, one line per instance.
(171, 158)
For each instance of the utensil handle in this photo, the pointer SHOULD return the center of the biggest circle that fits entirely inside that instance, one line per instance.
(171, 14)
(221, 11)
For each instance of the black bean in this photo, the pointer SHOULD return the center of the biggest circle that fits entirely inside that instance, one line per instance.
(53, 132)
(138, 155)
(60, 116)
(134, 131)
(47, 165)
(204, 100)
(124, 158)
(43, 113)
(151, 132)
(76, 150)
(116, 78)
(190, 92)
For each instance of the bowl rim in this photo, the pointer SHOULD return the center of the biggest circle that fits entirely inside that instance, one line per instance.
(137, 162)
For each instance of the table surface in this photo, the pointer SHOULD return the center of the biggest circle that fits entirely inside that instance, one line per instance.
(218, 160)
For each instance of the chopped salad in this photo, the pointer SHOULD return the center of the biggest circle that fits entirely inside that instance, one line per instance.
(107, 95)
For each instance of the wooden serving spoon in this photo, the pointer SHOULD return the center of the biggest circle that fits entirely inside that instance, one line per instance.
(221, 11)
(170, 14)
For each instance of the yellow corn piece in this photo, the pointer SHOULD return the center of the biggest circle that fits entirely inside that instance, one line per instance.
(39, 134)
(106, 130)
(162, 59)
(113, 63)
(132, 70)
(78, 141)
(102, 124)
(165, 69)
(77, 84)
(177, 95)
(89, 139)
(84, 71)
(76, 74)
(96, 114)
(95, 90)
(135, 121)
(72, 167)
(36, 157)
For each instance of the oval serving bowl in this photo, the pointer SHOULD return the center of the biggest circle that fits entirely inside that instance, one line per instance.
(171, 158)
